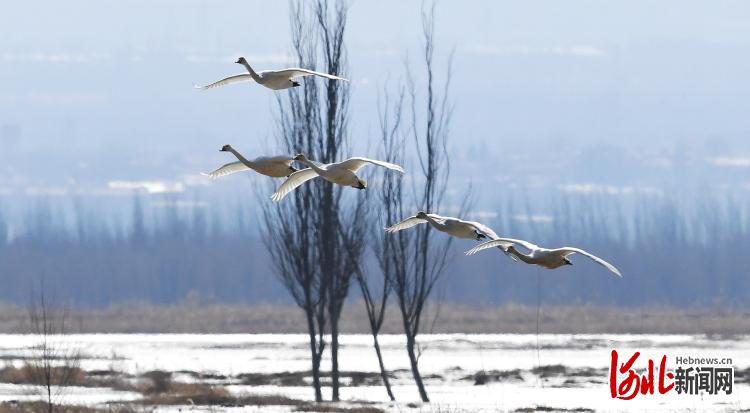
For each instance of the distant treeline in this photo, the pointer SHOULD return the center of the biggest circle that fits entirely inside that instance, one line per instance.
(672, 250)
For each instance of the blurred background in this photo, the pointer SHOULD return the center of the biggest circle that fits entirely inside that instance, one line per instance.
(618, 127)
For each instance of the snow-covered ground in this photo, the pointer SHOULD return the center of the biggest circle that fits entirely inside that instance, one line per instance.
(448, 362)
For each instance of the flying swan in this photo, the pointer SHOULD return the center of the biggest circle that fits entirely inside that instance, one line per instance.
(272, 79)
(273, 166)
(547, 258)
(341, 173)
(451, 226)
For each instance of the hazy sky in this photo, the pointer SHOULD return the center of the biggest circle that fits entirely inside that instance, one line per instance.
(97, 91)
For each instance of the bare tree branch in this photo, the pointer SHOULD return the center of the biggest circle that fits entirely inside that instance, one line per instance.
(305, 235)
(413, 260)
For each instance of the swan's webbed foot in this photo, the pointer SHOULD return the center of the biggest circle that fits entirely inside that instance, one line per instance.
(361, 185)
(295, 83)
(567, 261)
(480, 236)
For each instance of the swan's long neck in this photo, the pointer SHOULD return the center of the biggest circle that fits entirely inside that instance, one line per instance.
(252, 72)
(242, 159)
(312, 165)
(523, 257)
(439, 225)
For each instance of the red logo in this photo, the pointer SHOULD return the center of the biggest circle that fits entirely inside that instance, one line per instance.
(625, 383)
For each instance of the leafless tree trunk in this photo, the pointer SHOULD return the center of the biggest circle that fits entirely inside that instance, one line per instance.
(289, 235)
(54, 363)
(331, 24)
(412, 260)
(304, 234)
(374, 305)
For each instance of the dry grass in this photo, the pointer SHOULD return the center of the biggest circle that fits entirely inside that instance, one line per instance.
(160, 389)
(41, 407)
(29, 375)
(75, 377)
(509, 318)
(288, 378)
(494, 376)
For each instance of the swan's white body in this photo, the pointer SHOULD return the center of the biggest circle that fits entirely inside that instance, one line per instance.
(272, 79)
(451, 226)
(273, 166)
(341, 173)
(547, 258)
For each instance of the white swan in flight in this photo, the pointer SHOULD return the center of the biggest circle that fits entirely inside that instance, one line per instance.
(273, 166)
(451, 226)
(272, 79)
(547, 258)
(341, 173)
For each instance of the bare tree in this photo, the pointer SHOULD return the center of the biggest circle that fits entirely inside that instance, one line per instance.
(390, 115)
(289, 234)
(412, 260)
(375, 305)
(305, 236)
(54, 363)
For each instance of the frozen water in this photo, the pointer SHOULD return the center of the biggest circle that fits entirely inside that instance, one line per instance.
(446, 362)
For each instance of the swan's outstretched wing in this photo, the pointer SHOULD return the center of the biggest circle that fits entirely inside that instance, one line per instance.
(571, 250)
(354, 164)
(245, 77)
(501, 242)
(227, 169)
(482, 229)
(413, 221)
(297, 72)
(489, 233)
(525, 244)
(293, 181)
(407, 223)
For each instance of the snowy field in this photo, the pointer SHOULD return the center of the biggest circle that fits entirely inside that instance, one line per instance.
(578, 378)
